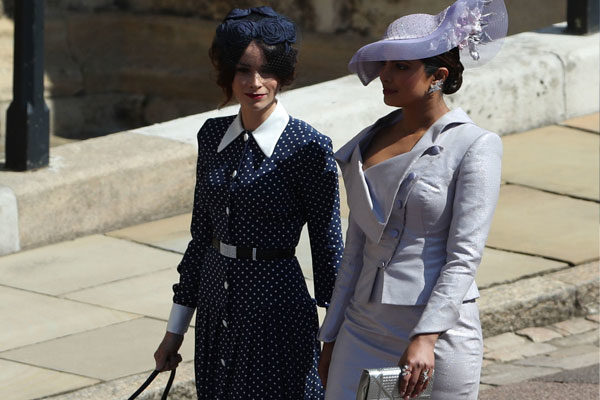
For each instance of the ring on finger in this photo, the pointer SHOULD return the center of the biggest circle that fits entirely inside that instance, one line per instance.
(405, 370)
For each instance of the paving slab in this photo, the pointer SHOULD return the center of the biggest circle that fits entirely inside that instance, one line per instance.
(575, 326)
(168, 233)
(575, 350)
(502, 374)
(579, 375)
(518, 352)
(539, 334)
(24, 382)
(534, 349)
(554, 158)
(545, 224)
(590, 337)
(81, 263)
(121, 388)
(570, 362)
(503, 355)
(593, 317)
(542, 390)
(31, 318)
(106, 353)
(504, 340)
(499, 266)
(590, 122)
(149, 294)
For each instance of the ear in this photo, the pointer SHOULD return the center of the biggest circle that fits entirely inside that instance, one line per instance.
(441, 74)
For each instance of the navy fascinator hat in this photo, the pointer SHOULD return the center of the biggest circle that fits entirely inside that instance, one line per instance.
(241, 26)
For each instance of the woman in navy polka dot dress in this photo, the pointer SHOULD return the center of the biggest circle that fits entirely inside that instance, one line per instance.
(261, 176)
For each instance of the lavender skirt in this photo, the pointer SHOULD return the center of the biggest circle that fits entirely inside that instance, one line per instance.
(375, 335)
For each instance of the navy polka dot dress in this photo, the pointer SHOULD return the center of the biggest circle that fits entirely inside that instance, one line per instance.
(256, 323)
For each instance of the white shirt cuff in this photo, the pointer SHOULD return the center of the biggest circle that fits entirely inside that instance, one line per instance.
(179, 319)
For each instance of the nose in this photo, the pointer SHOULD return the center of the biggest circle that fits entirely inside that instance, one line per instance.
(384, 72)
(256, 80)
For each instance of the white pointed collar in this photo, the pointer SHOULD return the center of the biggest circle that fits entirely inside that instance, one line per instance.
(266, 135)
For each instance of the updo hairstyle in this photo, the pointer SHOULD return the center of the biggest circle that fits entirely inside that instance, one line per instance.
(451, 61)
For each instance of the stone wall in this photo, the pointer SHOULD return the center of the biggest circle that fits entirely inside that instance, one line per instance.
(113, 65)
(369, 17)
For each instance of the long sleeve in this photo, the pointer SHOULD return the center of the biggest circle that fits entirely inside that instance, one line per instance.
(186, 291)
(476, 195)
(319, 194)
(345, 283)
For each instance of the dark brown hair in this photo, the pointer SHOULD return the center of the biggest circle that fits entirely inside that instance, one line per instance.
(450, 60)
(280, 61)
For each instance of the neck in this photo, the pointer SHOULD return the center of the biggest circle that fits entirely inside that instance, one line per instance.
(422, 115)
(252, 119)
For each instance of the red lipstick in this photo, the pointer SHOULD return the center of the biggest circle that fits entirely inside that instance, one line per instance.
(255, 96)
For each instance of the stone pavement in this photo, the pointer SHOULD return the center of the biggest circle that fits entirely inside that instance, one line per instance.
(82, 318)
(552, 362)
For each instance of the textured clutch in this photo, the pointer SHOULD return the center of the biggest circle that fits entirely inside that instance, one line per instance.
(382, 384)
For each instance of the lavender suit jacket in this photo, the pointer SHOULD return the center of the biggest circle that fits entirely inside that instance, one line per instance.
(418, 222)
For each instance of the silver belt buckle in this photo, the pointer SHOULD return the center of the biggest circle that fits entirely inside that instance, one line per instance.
(227, 250)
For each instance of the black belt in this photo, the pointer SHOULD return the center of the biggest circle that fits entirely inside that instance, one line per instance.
(251, 253)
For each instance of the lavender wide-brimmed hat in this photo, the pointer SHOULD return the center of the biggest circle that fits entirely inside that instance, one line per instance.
(476, 27)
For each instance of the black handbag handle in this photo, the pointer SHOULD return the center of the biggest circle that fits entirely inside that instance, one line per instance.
(153, 375)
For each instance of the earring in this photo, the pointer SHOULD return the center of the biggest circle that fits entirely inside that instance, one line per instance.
(435, 86)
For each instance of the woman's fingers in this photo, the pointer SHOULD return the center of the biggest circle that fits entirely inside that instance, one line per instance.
(418, 382)
(413, 378)
(324, 362)
(422, 382)
(405, 373)
(160, 359)
(174, 361)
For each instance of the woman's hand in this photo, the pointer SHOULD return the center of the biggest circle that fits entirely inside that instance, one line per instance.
(324, 361)
(166, 356)
(420, 360)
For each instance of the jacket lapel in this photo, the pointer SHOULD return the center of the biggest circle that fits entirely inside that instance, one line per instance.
(372, 194)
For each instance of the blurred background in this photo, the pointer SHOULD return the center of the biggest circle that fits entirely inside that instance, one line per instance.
(114, 65)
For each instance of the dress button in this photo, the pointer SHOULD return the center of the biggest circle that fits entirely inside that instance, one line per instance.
(234, 174)
(410, 176)
(227, 210)
(225, 285)
(400, 204)
(246, 137)
(395, 233)
(434, 150)
(222, 362)
(382, 265)
(225, 323)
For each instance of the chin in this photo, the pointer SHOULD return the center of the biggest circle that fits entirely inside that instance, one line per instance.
(391, 102)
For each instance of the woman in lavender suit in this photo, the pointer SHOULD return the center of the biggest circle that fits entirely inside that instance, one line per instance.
(422, 185)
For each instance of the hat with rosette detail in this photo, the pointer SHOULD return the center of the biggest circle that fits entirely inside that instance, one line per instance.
(242, 26)
(476, 27)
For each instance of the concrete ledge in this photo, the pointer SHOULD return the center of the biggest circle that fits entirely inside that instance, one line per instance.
(540, 300)
(102, 184)
(9, 221)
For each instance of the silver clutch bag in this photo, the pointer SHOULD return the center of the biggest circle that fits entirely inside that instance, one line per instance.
(382, 384)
